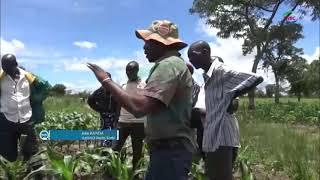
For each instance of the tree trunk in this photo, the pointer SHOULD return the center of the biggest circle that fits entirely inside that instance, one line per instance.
(299, 97)
(277, 89)
(254, 70)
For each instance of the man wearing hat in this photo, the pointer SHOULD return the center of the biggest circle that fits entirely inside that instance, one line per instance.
(166, 100)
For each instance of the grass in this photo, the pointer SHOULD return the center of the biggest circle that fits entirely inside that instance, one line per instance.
(307, 112)
(278, 141)
(271, 139)
(66, 104)
(282, 100)
(282, 148)
(281, 138)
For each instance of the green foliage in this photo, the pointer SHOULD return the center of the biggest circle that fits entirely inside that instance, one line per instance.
(71, 121)
(66, 103)
(255, 23)
(64, 166)
(92, 161)
(286, 113)
(246, 173)
(270, 88)
(280, 148)
(58, 89)
(281, 52)
(277, 141)
(297, 73)
(260, 93)
(250, 20)
(197, 171)
(12, 170)
(313, 77)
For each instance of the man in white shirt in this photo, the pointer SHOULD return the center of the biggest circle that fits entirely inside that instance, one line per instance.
(221, 130)
(21, 97)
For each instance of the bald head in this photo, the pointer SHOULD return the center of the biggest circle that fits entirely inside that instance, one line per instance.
(9, 64)
(9, 59)
(132, 70)
(199, 54)
(200, 46)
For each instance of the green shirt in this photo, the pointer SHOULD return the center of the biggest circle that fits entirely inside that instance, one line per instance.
(170, 82)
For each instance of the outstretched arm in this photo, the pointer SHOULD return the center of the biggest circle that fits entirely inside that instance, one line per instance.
(238, 84)
(139, 105)
(245, 90)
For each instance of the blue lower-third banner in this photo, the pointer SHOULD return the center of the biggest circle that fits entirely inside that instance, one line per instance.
(112, 134)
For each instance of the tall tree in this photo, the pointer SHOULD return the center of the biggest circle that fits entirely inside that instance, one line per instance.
(251, 20)
(58, 89)
(281, 51)
(260, 93)
(270, 90)
(297, 75)
(314, 77)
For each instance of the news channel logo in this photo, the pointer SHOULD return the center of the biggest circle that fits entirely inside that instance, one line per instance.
(44, 135)
(289, 17)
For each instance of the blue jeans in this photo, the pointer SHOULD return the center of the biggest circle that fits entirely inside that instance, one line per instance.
(169, 164)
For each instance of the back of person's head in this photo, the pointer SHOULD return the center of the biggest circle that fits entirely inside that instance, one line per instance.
(132, 70)
(133, 65)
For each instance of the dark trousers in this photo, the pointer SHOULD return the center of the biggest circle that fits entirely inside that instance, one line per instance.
(136, 131)
(219, 164)
(200, 139)
(108, 120)
(10, 133)
(169, 164)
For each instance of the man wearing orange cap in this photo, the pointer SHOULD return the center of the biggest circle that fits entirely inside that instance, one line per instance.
(165, 100)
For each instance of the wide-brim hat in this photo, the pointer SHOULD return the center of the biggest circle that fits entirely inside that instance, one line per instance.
(162, 31)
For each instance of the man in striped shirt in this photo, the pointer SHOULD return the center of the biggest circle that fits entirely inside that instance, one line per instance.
(221, 130)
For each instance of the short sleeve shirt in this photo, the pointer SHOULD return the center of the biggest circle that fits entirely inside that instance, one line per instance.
(220, 127)
(171, 83)
(131, 87)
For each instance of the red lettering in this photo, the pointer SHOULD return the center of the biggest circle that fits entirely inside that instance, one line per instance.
(290, 18)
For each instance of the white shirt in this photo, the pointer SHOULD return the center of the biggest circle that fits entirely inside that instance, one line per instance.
(201, 99)
(220, 127)
(15, 98)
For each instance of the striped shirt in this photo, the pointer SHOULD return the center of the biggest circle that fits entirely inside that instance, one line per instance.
(220, 127)
(195, 92)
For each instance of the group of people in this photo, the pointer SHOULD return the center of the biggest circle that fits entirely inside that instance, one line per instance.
(170, 105)
(163, 111)
(113, 116)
